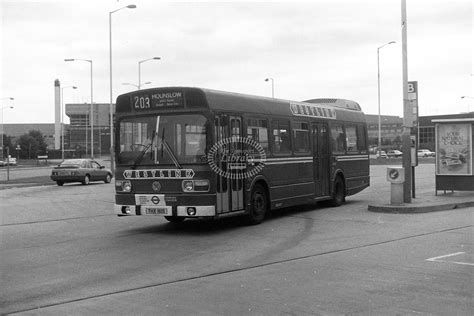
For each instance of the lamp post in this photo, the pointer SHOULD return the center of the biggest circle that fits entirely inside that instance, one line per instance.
(92, 104)
(4, 107)
(130, 6)
(378, 89)
(135, 85)
(273, 91)
(139, 69)
(62, 119)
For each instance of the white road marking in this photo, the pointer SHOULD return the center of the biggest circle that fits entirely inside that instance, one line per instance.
(437, 259)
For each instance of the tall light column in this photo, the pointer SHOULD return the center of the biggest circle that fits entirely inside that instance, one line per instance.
(62, 110)
(139, 69)
(407, 110)
(4, 107)
(378, 89)
(91, 117)
(130, 6)
(273, 90)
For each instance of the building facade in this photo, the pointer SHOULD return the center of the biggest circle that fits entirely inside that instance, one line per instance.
(78, 135)
(392, 128)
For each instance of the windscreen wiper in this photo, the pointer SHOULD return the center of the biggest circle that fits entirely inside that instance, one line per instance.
(142, 154)
(166, 146)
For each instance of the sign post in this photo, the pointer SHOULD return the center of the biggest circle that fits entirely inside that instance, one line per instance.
(413, 104)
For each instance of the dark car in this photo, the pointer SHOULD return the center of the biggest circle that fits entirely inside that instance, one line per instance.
(80, 170)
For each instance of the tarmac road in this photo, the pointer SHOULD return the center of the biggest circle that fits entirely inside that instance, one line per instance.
(64, 252)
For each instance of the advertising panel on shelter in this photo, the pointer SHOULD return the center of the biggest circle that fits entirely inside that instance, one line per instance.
(454, 149)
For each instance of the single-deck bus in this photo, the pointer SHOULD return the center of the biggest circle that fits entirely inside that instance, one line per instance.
(186, 152)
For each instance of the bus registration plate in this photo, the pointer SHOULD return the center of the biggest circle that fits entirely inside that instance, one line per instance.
(149, 210)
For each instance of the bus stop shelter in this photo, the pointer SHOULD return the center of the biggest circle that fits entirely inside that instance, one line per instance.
(454, 163)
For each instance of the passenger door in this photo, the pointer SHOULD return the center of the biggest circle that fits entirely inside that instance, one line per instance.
(230, 185)
(321, 159)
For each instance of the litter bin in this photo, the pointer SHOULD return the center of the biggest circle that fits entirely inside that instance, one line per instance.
(396, 176)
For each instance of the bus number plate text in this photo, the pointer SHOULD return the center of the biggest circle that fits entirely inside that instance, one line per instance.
(156, 210)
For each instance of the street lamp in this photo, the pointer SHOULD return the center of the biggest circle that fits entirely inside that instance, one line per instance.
(4, 107)
(135, 85)
(268, 79)
(130, 6)
(378, 89)
(62, 119)
(92, 104)
(139, 69)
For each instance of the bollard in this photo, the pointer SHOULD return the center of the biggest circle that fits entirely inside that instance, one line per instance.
(396, 176)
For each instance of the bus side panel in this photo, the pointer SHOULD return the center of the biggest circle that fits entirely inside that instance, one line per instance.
(356, 172)
(290, 181)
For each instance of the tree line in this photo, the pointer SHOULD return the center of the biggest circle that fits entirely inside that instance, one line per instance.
(30, 145)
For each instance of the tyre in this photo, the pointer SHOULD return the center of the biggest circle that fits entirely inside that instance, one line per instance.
(108, 178)
(259, 205)
(339, 194)
(86, 180)
(174, 219)
(60, 183)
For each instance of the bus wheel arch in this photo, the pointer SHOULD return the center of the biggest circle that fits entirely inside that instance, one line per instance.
(175, 219)
(338, 190)
(259, 203)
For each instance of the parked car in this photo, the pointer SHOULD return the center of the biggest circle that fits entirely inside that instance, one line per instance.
(8, 161)
(80, 170)
(394, 153)
(381, 154)
(425, 153)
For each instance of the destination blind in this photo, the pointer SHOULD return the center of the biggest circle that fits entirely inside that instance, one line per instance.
(157, 100)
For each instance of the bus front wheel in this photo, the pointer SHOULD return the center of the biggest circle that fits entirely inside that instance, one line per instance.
(259, 205)
(338, 195)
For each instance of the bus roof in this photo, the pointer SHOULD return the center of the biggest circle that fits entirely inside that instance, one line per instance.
(194, 98)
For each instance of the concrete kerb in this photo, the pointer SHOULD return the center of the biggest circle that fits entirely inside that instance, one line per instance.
(428, 203)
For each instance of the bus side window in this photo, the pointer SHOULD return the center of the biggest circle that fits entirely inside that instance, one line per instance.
(351, 138)
(281, 143)
(337, 138)
(362, 138)
(257, 129)
(301, 137)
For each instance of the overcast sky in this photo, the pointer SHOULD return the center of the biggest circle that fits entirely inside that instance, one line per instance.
(314, 49)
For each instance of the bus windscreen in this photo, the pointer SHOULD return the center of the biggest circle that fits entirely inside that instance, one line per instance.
(163, 140)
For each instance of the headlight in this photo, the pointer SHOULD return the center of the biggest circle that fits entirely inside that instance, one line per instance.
(195, 185)
(188, 186)
(123, 185)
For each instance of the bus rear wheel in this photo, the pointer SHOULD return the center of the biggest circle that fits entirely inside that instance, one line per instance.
(259, 205)
(339, 194)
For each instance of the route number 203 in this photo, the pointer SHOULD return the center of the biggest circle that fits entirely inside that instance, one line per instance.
(141, 102)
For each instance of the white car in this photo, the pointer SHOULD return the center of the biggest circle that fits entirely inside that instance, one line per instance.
(381, 154)
(425, 153)
(8, 161)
